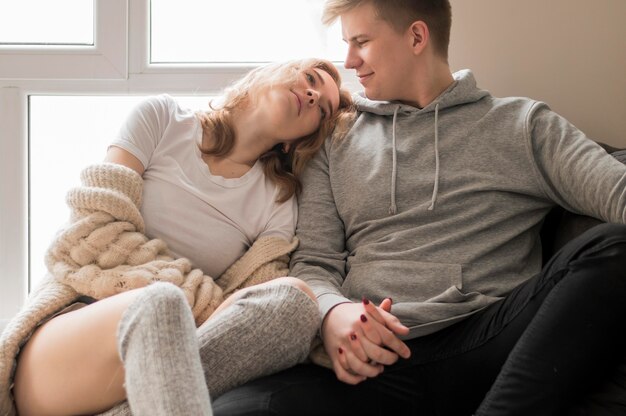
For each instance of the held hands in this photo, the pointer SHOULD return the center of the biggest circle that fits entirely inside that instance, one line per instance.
(362, 338)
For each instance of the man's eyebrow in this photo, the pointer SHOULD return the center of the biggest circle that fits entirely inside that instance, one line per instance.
(354, 38)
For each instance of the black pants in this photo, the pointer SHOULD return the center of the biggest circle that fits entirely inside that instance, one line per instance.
(547, 344)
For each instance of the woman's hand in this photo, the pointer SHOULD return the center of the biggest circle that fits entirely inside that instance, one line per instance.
(361, 339)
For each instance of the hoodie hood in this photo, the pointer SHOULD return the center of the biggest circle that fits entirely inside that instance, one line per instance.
(462, 91)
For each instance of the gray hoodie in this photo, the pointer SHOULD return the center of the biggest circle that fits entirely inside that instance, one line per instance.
(440, 208)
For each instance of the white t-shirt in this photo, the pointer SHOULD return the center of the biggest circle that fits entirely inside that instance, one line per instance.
(209, 219)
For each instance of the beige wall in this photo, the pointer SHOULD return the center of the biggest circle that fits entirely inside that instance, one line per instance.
(568, 53)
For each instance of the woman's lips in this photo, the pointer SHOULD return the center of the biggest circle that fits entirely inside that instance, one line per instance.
(299, 102)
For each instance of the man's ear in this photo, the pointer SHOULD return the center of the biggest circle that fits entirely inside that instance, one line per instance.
(419, 36)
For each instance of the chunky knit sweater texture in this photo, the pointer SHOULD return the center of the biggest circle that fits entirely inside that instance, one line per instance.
(103, 251)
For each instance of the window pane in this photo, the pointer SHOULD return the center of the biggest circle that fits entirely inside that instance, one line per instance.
(241, 31)
(68, 133)
(58, 22)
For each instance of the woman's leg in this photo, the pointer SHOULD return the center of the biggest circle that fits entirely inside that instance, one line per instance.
(261, 330)
(257, 331)
(71, 364)
(158, 345)
(75, 363)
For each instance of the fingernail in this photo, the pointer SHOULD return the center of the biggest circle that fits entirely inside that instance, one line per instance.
(353, 336)
(363, 318)
(340, 350)
(390, 300)
(366, 301)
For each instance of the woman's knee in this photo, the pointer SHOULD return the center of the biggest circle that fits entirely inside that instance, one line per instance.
(297, 283)
(164, 296)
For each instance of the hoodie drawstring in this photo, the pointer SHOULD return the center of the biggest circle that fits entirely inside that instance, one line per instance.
(394, 163)
(436, 186)
(394, 169)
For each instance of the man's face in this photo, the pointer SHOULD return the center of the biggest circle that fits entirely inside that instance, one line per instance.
(381, 57)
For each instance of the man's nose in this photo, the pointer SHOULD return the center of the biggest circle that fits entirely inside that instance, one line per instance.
(351, 59)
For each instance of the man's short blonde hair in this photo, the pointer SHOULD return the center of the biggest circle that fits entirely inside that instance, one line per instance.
(437, 14)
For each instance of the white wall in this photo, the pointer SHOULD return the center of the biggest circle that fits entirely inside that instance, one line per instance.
(568, 53)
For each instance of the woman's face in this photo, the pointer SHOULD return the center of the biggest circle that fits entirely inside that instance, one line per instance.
(297, 109)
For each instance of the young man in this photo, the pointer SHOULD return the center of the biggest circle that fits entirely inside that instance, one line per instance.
(433, 204)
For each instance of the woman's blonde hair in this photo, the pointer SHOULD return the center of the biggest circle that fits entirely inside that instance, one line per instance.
(284, 169)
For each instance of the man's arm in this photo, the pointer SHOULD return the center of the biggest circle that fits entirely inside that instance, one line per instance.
(575, 172)
(320, 259)
(354, 334)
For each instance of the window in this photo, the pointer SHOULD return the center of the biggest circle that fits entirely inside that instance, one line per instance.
(84, 124)
(44, 22)
(231, 31)
(63, 96)
(89, 44)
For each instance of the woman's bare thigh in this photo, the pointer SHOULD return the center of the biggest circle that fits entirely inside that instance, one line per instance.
(71, 364)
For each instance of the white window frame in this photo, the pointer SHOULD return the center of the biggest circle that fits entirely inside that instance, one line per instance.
(117, 64)
(105, 59)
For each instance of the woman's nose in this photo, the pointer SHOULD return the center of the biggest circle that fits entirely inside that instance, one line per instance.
(312, 96)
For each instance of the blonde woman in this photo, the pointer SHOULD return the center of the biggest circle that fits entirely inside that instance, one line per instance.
(180, 192)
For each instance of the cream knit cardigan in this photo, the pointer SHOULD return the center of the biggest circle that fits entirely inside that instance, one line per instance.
(103, 251)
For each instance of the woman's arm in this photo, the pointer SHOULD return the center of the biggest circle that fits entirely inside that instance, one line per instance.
(123, 157)
(140, 133)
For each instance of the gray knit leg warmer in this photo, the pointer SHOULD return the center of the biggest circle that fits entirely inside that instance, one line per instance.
(159, 348)
(270, 328)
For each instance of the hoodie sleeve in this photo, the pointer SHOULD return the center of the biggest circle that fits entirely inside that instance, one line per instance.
(320, 259)
(576, 172)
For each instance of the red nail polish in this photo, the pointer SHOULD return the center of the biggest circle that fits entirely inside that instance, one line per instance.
(366, 301)
(340, 350)
(353, 336)
(363, 318)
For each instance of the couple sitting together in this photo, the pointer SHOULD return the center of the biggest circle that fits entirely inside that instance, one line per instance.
(295, 250)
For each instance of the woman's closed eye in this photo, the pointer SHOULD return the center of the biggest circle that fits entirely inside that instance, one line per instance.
(312, 81)
(310, 78)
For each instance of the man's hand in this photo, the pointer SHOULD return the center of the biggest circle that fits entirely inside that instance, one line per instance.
(361, 339)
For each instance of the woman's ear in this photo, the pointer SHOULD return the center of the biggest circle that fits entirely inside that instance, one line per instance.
(419, 36)
(286, 147)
